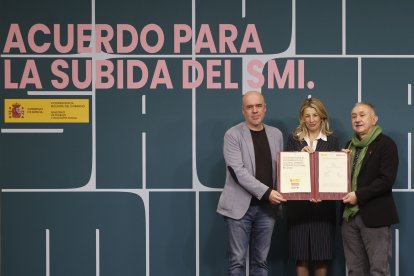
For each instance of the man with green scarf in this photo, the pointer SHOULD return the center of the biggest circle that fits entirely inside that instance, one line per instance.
(369, 210)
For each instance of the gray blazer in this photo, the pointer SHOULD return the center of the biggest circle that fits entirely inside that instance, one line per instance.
(241, 183)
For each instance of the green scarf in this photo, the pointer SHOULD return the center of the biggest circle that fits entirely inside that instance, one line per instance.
(352, 210)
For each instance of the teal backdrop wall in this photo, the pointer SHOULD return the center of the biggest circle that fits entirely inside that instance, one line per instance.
(133, 192)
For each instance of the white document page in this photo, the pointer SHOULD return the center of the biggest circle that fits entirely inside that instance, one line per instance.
(294, 172)
(333, 176)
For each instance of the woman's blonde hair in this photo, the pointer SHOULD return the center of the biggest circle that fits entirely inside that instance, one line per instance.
(301, 130)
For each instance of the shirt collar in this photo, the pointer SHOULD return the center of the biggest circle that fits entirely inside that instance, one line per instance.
(320, 136)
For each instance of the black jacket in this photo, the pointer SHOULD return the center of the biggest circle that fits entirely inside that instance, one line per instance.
(375, 181)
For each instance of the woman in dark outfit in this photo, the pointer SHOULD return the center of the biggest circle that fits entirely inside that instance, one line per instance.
(311, 224)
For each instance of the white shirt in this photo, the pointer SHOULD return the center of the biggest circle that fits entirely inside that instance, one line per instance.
(315, 142)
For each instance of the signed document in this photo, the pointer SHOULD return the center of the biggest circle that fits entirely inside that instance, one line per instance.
(318, 175)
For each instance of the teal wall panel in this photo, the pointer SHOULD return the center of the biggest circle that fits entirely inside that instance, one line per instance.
(172, 233)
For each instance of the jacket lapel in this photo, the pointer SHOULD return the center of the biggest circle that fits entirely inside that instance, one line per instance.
(247, 136)
(321, 146)
(370, 150)
(272, 145)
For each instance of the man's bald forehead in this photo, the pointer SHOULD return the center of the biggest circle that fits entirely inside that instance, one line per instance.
(250, 94)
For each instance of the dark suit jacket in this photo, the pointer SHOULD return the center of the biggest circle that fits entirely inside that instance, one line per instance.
(303, 211)
(375, 181)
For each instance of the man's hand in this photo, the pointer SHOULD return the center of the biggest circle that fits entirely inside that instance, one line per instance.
(276, 198)
(350, 198)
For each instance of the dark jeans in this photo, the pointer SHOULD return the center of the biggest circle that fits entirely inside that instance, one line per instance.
(254, 232)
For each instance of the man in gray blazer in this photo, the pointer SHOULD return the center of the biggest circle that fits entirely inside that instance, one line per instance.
(249, 195)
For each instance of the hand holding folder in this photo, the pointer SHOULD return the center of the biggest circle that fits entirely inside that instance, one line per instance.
(313, 176)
